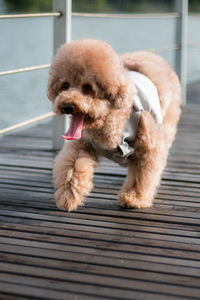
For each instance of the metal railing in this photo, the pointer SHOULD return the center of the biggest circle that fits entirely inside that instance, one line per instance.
(36, 15)
(128, 16)
(62, 33)
(25, 123)
(21, 70)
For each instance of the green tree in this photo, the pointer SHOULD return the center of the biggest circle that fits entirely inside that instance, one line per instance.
(28, 6)
(100, 6)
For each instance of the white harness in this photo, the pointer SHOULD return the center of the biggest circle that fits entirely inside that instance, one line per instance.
(146, 99)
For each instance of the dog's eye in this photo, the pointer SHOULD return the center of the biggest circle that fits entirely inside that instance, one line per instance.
(65, 86)
(108, 97)
(87, 88)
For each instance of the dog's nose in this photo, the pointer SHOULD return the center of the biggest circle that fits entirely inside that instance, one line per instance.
(67, 108)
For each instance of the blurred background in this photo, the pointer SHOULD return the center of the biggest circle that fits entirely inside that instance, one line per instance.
(96, 6)
(29, 42)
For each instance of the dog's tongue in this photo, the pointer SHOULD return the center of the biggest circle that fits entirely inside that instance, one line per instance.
(75, 129)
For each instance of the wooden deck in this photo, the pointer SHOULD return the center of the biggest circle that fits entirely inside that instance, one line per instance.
(99, 251)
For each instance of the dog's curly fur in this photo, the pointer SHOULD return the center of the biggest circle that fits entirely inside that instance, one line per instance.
(107, 106)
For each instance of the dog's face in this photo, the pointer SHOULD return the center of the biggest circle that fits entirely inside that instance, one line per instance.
(87, 81)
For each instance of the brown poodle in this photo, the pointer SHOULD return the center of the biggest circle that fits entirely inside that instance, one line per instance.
(123, 107)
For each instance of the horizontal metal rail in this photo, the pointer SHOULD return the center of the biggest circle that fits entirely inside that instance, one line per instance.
(98, 15)
(165, 49)
(128, 16)
(34, 68)
(36, 15)
(92, 15)
(29, 122)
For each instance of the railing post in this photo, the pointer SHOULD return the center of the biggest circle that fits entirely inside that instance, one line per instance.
(62, 34)
(181, 58)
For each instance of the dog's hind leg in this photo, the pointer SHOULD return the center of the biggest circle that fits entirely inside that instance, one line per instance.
(73, 172)
(145, 170)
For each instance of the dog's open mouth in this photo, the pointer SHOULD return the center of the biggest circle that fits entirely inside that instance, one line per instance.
(76, 126)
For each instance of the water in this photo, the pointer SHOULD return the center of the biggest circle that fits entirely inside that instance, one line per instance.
(24, 43)
(29, 42)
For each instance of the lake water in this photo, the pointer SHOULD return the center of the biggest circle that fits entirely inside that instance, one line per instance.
(29, 42)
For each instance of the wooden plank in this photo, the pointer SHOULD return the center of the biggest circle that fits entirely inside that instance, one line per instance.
(98, 253)
(48, 293)
(136, 224)
(107, 284)
(103, 241)
(157, 214)
(100, 226)
(101, 234)
(176, 258)
(34, 292)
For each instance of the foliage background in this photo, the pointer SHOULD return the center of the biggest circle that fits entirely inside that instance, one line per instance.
(98, 6)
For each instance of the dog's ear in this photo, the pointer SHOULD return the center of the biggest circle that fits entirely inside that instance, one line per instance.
(120, 95)
(52, 87)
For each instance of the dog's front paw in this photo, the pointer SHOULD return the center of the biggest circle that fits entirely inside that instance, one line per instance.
(132, 200)
(67, 199)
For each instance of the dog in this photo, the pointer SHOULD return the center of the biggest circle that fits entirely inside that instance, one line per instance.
(124, 107)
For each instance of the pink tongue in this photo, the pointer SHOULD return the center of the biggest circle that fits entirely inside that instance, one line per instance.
(76, 126)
